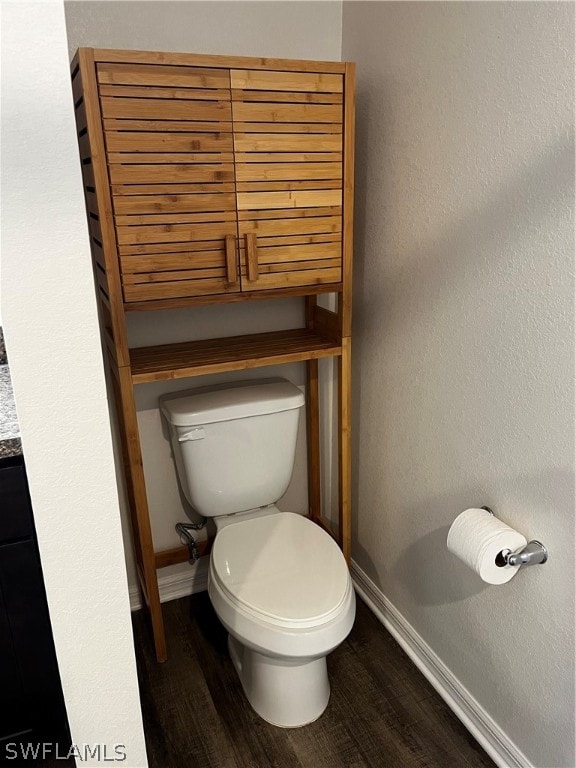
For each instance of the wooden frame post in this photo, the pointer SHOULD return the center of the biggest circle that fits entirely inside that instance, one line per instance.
(344, 449)
(313, 423)
(138, 504)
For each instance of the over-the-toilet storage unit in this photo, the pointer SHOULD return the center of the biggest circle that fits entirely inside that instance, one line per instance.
(212, 179)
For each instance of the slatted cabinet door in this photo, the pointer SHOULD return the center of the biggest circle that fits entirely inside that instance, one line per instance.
(288, 155)
(169, 147)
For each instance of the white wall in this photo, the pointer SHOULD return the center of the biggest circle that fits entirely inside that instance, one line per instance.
(279, 29)
(51, 327)
(464, 337)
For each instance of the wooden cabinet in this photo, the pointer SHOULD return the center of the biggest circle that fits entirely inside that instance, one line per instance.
(169, 148)
(217, 179)
(222, 180)
(288, 159)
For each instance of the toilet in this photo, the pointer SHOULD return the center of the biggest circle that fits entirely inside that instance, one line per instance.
(278, 582)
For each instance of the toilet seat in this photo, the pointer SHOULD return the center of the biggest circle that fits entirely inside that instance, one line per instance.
(281, 570)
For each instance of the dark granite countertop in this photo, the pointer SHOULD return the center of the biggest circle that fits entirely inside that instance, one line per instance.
(3, 358)
(10, 444)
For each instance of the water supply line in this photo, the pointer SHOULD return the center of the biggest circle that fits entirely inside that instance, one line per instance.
(183, 530)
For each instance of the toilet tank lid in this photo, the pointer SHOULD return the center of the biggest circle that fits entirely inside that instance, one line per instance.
(224, 402)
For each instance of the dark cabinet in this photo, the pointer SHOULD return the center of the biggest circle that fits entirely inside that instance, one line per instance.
(32, 708)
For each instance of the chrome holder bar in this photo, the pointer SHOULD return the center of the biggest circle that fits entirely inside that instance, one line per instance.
(534, 553)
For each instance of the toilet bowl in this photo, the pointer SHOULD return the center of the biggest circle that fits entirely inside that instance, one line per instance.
(282, 589)
(278, 582)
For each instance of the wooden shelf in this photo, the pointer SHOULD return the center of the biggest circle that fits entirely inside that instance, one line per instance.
(177, 555)
(235, 353)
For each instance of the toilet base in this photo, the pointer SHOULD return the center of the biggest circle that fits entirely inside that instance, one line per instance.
(285, 692)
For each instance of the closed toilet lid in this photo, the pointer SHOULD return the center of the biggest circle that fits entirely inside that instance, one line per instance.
(281, 567)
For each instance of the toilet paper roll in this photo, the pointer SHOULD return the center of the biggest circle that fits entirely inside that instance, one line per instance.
(477, 538)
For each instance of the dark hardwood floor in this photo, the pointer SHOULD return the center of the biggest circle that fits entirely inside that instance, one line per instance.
(382, 711)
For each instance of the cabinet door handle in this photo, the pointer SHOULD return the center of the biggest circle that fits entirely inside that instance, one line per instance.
(251, 256)
(231, 263)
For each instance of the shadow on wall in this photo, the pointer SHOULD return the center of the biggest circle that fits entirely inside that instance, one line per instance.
(193, 516)
(453, 581)
(360, 191)
(360, 209)
(427, 555)
(434, 576)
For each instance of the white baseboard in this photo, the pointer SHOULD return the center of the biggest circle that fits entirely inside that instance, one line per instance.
(484, 729)
(187, 581)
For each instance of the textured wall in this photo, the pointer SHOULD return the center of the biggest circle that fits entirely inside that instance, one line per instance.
(463, 356)
(51, 327)
(281, 29)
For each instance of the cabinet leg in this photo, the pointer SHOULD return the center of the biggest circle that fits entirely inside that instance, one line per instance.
(344, 448)
(313, 422)
(313, 437)
(138, 503)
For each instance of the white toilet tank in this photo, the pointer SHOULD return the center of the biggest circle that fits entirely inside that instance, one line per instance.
(234, 444)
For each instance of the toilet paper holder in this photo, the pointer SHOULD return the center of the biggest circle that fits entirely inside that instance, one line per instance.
(534, 553)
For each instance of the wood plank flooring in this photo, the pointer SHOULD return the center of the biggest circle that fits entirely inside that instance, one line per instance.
(382, 711)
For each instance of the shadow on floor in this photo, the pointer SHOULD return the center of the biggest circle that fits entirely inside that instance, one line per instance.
(382, 711)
